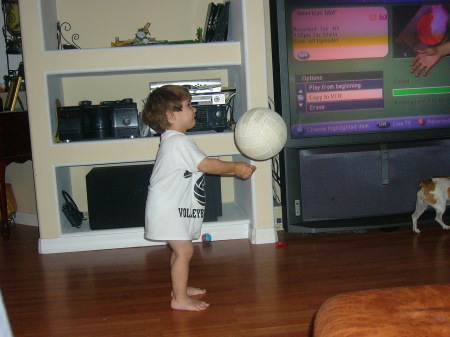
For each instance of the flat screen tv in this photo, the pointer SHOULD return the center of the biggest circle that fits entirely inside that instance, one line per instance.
(342, 70)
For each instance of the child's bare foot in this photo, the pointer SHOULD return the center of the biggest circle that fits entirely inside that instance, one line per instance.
(191, 291)
(189, 304)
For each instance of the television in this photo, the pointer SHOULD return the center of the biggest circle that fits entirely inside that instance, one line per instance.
(363, 130)
(342, 70)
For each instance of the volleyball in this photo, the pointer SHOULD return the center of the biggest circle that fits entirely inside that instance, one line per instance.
(260, 133)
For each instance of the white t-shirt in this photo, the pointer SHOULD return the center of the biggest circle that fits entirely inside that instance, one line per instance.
(176, 196)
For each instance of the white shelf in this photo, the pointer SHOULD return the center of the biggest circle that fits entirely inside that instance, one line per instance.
(99, 74)
(136, 59)
(128, 150)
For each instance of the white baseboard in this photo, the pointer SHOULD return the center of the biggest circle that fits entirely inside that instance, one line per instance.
(124, 238)
(132, 237)
(26, 219)
(264, 235)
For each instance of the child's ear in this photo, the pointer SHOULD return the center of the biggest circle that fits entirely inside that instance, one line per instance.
(170, 116)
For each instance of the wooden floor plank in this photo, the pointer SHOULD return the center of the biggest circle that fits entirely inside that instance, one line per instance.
(254, 290)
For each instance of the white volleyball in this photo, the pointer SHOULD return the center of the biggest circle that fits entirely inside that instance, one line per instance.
(260, 133)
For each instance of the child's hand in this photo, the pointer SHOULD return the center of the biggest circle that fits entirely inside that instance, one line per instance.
(244, 170)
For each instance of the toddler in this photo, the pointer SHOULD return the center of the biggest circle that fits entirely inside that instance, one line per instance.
(176, 197)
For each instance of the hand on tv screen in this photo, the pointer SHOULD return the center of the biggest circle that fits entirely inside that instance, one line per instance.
(427, 58)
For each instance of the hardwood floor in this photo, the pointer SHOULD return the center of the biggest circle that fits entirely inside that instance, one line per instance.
(254, 290)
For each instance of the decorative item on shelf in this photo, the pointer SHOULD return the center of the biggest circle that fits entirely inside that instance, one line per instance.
(11, 29)
(199, 35)
(142, 38)
(59, 35)
(11, 10)
(13, 92)
(122, 43)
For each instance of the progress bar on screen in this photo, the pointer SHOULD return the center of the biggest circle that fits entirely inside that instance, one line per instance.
(421, 91)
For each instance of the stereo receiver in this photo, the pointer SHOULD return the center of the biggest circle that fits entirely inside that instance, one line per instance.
(109, 119)
(211, 117)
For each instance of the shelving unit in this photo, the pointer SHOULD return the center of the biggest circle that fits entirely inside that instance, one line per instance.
(70, 75)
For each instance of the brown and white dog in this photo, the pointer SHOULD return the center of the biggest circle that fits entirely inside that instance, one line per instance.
(436, 193)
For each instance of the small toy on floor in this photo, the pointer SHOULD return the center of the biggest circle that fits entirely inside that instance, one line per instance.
(206, 237)
(434, 192)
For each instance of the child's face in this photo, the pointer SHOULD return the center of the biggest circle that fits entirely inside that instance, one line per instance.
(183, 120)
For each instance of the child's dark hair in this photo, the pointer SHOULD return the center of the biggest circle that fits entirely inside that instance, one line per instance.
(161, 100)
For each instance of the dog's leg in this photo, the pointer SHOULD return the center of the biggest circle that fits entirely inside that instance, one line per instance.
(439, 213)
(421, 206)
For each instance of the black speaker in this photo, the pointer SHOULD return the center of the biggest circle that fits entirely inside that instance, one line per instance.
(96, 121)
(69, 123)
(117, 196)
(213, 191)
